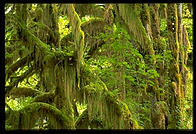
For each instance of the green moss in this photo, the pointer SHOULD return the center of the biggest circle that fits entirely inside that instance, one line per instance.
(91, 21)
(12, 120)
(135, 124)
(135, 26)
(34, 108)
(102, 103)
(23, 91)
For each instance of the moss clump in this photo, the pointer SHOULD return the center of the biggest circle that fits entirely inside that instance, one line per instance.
(174, 87)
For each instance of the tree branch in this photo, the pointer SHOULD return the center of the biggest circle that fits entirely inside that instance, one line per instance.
(20, 63)
(20, 78)
(45, 97)
(27, 117)
(22, 91)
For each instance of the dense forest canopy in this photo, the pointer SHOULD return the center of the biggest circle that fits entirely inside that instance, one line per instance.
(98, 66)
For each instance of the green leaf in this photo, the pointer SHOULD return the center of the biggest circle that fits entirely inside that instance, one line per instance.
(130, 78)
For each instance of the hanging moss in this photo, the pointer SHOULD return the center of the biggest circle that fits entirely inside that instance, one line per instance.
(145, 18)
(64, 72)
(174, 87)
(130, 16)
(78, 35)
(155, 20)
(89, 9)
(102, 103)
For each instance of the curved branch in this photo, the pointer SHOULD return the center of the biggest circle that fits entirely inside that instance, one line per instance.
(27, 117)
(20, 78)
(20, 63)
(22, 91)
(45, 27)
(89, 9)
(45, 97)
(91, 28)
(33, 40)
(43, 47)
(26, 91)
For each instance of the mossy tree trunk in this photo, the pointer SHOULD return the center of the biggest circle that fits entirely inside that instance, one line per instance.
(151, 21)
(179, 45)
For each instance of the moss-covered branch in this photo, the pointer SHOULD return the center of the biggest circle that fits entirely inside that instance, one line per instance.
(33, 40)
(22, 91)
(20, 78)
(39, 96)
(27, 117)
(89, 9)
(45, 97)
(92, 28)
(18, 64)
(43, 50)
